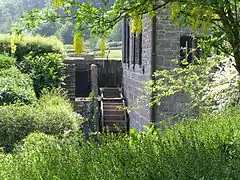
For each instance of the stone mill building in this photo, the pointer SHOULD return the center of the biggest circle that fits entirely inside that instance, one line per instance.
(159, 43)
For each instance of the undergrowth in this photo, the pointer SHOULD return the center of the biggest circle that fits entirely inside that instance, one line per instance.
(206, 148)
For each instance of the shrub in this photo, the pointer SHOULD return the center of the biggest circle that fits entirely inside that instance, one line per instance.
(225, 85)
(208, 84)
(36, 44)
(51, 115)
(54, 157)
(15, 87)
(6, 62)
(46, 71)
(207, 148)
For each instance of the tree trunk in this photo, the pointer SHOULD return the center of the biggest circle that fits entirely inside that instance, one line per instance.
(237, 60)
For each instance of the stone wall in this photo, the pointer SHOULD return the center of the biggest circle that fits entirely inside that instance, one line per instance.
(161, 43)
(70, 80)
(81, 63)
(168, 48)
(133, 75)
(106, 68)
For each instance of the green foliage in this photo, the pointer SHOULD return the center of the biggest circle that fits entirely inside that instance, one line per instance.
(57, 115)
(55, 159)
(10, 11)
(37, 45)
(220, 18)
(46, 71)
(64, 32)
(103, 47)
(78, 43)
(210, 84)
(225, 84)
(205, 15)
(137, 24)
(6, 61)
(57, 3)
(115, 34)
(52, 114)
(207, 148)
(39, 57)
(15, 87)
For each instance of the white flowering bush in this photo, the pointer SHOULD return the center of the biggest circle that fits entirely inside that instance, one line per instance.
(224, 88)
(212, 84)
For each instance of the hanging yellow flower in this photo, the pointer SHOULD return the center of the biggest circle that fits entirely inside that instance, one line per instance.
(103, 47)
(13, 47)
(137, 24)
(57, 3)
(14, 39)
(78, 43)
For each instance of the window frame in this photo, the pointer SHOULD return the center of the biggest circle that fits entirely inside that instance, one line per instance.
(187, 44)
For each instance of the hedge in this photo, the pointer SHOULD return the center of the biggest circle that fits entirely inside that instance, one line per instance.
(15, 87)
(52, 114)
(46, 71)
(6, 61)
(36, 44)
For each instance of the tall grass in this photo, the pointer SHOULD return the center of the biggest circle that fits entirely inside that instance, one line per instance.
(206, 148)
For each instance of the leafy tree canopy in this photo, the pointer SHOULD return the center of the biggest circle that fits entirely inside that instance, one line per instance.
(220, 17)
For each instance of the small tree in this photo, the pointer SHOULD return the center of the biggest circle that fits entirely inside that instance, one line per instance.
(211, 85)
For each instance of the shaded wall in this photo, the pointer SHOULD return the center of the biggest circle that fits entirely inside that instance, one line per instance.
(168, 48)
(109, 74)
(160, 45)
(133, 75)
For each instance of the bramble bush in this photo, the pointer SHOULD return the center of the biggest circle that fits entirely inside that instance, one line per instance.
(205, 148)
(15, 87)
(46, 71)
(52, 114)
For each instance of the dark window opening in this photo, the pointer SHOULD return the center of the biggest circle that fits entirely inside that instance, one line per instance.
(137, 49)
(188, 49)
(140, 50)
(83, 83)
(133, 48)
(126, 41)
(136, 46)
